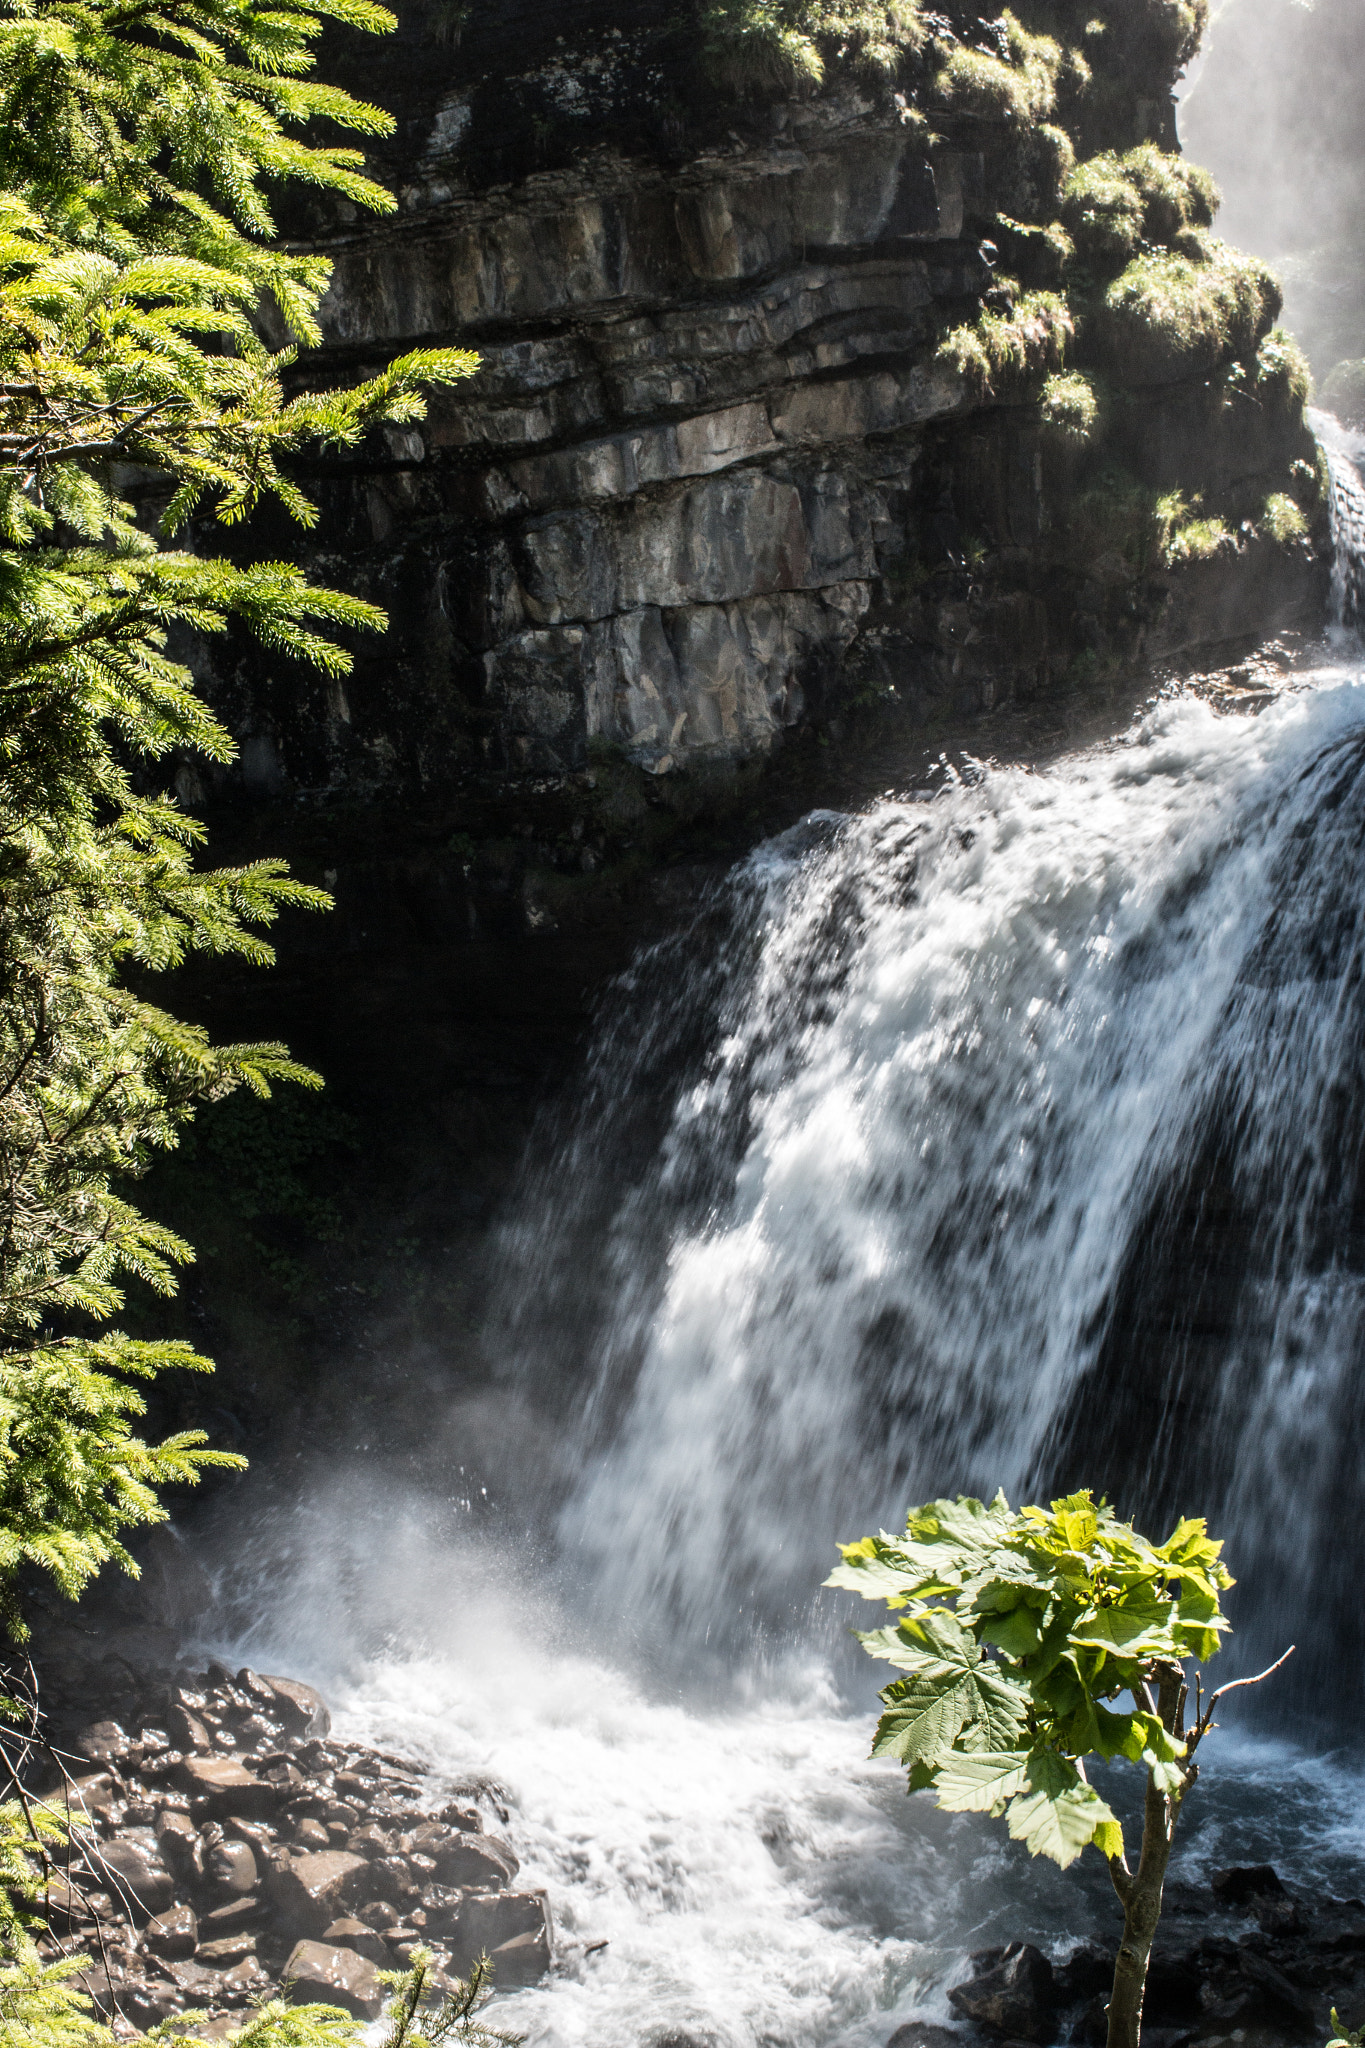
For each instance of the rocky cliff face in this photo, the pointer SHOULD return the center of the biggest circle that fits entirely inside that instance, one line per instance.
(786, 394)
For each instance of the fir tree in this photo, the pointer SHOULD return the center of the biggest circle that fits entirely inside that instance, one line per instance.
(139, 275)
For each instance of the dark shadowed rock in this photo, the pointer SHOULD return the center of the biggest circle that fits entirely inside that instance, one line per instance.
(1172, 1998)
(925, 2034)
(172, 1933)
(303, 1711)
(1238, 1887)
(334, 1976)
(1086, 1971)
(1015, 1997)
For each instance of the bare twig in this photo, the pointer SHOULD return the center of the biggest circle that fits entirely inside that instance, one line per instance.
(1203, 1725)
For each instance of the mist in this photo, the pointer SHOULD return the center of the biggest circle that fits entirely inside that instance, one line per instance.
(1275, 107)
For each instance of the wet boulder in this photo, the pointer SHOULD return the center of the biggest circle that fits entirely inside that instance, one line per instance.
(467, 1819)
(475, 1861)
(187, 1731)
(231, 1869)
(311, 1891)
(174, 1933)
(513, 1929)
(227, 1948)
(353, 1934)
(231, 1917)
(382, 1877)
(227, 1787)
(302, 1711)
(105, 1742)
(924, 2034)
(1013, 1995)
(132, 1865)
(182, 1849)
(334, 1976)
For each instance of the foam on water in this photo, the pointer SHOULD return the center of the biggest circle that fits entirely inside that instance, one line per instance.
(756, 1879)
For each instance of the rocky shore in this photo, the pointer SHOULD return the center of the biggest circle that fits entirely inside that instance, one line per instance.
(1243, 1962)
(224, 1845)
(227, 1846)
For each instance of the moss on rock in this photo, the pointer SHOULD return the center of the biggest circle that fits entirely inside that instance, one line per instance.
(1167, 317)
(776, 45)
(997, 351)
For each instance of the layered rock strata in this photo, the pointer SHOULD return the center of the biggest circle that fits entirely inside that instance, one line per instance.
(717, 468)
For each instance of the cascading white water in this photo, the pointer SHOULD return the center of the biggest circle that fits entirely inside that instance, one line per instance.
(982, 1037)
(949, 1092)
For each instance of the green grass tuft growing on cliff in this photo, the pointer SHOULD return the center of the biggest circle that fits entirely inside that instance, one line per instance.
(778, 45)
(1020, 87)
(998, 349)
(1185, 534)
(1283, 520)
(1113, 204)
(1186, 310)
(1283, 377)
(1070, 406)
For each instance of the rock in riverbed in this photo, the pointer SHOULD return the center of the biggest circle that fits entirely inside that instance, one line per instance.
(1263, 1970)
(228, 1844)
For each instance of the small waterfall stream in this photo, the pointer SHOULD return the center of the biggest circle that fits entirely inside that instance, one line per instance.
(1009, 1132)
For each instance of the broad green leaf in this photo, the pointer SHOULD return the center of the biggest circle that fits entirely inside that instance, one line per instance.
(923, 1716)
(1108, 1839)
(1167, 1777)
(1058, 1816)
(1016, 1633)
(968, 1528)
(1138, 1627)
(1001, 1706)
(983, 1783)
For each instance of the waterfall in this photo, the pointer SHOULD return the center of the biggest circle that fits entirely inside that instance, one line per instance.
(1344, 450)
(1005, 1135)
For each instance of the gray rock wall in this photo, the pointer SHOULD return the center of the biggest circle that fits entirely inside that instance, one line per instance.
(711, 473)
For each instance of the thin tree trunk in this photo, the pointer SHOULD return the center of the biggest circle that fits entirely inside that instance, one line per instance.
(1141, 1896)
(1141, 1891)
